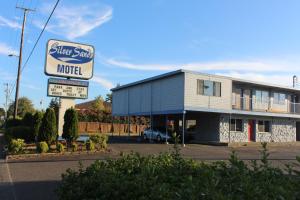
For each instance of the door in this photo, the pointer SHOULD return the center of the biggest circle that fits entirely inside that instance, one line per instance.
(251, 130)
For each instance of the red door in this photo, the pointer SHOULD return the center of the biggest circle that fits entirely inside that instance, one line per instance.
(251, 130)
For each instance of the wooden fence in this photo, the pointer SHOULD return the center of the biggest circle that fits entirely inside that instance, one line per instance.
(113, 128)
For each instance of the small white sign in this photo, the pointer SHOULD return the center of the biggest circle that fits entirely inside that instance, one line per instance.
(68, 59)
(67, 88)
(68, 91)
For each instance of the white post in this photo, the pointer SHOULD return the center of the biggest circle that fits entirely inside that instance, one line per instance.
(167, 129)
(183, 127)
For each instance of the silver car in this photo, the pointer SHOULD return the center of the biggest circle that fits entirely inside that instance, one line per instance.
(155, 134)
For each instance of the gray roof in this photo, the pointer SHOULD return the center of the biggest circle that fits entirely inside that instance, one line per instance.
(172, 73)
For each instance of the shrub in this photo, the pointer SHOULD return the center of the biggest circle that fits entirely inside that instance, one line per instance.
(168, 176)
(16, 146)
(70, 127)
(99, 140)
(13, 123)
(22, 132)
(74, 146)
(37, 120)
(48, 129)
(28, 120)
(60, 147)
(42, 147)
(90, 146)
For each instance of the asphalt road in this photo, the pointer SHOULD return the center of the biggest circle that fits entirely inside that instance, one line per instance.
(37, 178)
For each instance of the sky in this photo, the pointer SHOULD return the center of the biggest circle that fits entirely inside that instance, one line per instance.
(133, 39)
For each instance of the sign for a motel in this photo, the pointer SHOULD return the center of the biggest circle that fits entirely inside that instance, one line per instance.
(68, 59)
(68, 88)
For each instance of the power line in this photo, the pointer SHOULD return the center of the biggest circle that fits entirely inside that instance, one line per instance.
(40, 35)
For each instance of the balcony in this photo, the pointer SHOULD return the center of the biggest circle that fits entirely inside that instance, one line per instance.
(265, 105)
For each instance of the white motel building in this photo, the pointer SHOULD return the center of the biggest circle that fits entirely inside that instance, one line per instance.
(211, 108)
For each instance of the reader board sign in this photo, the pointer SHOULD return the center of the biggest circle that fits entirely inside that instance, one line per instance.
(68, 59)
(68, 88)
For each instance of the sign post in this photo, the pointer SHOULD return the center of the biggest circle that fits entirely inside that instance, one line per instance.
(68, 60)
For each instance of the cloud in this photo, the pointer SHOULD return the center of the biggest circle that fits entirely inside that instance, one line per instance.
(9, 23)
(76, 21)
(103, 82)
(7, 76)
(6, 50)
(254, 66)
(286, 79)
(31, 86)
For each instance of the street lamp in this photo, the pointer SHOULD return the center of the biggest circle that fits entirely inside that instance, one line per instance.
(13, 55)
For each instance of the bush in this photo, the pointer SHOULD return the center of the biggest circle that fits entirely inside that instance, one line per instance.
(22, 132)
(42, 147)
(60, 147)
(90, 146)
(13, 123)
(99, 140)
(28, 120)
(70, 128)
(74, 146)
(16, 146)
(169, 176)
(48, 129)
(37, 120)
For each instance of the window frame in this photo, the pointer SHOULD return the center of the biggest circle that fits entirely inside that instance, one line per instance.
(277, 98)
(209, 88)
(262, 96)
(266, 126)
(237, 127)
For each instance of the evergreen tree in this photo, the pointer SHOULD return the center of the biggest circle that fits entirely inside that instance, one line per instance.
(70, 127)
(48, 129)
(37, 120)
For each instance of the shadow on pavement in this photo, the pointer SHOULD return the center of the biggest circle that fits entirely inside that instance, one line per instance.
(36, 190)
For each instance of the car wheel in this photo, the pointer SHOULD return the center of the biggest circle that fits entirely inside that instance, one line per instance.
(145, 137)
(158, 138)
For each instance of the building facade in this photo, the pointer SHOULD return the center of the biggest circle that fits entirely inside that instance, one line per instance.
(214, 108)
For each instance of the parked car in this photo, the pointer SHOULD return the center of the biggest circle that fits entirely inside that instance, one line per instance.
(156, 134)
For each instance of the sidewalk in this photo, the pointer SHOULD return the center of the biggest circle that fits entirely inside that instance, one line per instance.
(7, 191)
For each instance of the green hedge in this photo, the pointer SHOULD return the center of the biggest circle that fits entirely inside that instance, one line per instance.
(169, 176)
(22, 132)
(13, 123)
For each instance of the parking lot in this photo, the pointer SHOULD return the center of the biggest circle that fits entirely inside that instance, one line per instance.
(37, 177)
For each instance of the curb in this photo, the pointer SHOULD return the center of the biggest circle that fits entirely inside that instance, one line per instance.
(51, 155)
(259, 144)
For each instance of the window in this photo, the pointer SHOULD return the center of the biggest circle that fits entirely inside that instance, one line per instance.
(279, 98)
(236, 125)
(262, 96)
(263, 126)
(208, 88)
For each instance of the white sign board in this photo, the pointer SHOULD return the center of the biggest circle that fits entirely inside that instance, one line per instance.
(67, 88)
(68, 59)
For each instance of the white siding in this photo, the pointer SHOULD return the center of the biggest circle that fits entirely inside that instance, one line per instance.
(193, 100)
(162, 95)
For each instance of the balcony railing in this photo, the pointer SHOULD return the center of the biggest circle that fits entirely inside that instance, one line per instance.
(265, 105)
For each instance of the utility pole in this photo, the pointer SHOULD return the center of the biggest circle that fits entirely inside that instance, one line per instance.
(7, 91)
(20, 60)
